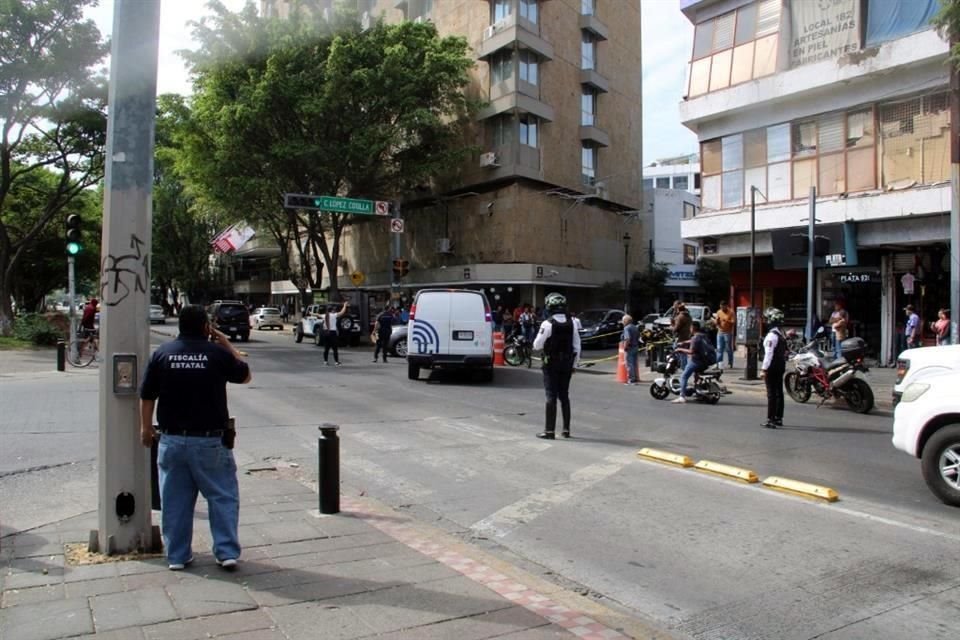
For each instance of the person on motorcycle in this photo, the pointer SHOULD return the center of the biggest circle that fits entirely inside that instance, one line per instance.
(559, 338)
(773, 367)
(696, 363)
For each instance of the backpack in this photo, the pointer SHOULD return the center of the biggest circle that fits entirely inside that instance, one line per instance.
(707, 352)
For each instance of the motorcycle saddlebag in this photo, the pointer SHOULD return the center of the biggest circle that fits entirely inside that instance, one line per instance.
(853, 348)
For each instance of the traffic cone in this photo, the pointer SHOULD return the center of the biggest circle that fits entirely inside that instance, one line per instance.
(622, 365)
(498, 349)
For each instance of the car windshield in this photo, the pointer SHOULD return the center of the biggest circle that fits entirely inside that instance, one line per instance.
(270, 312)
(591, 317)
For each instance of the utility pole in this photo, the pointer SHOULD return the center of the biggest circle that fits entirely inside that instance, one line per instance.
(72, 292)
(124, 482)
(955, 199)
(626, 278)
(750, 372)
(811, 222)
(395, 250)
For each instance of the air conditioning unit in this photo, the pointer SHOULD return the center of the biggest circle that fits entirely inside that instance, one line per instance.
(600, 190)
(489, 32)
(488, 159)
(365, 20)
(444, 245)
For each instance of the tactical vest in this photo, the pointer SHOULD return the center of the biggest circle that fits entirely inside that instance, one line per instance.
(558, 349)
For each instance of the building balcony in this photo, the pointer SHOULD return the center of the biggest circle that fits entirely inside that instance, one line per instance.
(518, 103)
(507, 33)
(592, 78)
(593, 25)
(590, 133)
(510, 160)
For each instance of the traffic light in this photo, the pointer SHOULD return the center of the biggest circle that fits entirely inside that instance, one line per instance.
(73, 235)
(300, 201)
(401, 268)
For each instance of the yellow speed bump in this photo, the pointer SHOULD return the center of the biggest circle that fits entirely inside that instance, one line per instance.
(801, 488)
(726, 470)
(665, 456)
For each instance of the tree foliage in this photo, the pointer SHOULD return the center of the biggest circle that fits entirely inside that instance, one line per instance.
(304, 105)
(947, 21)
(648, 286)
(52, 119)
(713, 277)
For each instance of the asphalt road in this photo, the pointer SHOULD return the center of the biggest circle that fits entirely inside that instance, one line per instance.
(703, 556)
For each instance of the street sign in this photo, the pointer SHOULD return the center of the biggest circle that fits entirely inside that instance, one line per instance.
(381, 208)
(357, 278)
(332, 204)
(396, 225)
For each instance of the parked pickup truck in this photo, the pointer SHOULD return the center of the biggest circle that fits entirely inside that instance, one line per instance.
(698, 312)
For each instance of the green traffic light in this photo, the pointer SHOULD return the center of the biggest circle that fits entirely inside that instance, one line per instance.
(73, 248)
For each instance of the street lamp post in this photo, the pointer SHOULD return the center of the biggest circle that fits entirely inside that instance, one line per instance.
(750, 373)
(626, 269)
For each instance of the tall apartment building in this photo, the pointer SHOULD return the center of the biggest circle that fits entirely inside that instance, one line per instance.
(547, 199)
(849, 97)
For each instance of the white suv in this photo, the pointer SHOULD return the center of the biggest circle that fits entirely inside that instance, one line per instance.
(917, 364)
(926, 425)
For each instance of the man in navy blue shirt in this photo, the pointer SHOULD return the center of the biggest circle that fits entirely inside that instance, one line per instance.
(186, 379)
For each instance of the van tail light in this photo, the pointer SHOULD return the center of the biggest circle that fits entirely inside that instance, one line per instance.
(486, 313)
(413, 311)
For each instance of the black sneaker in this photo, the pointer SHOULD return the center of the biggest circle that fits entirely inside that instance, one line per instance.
(565, 434)
(778, 422)
(546, 435)
(770, 424)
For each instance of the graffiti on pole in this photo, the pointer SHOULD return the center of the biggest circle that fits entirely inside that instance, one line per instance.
(121, 275)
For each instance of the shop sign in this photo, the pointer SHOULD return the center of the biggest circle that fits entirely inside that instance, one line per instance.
(823, 30)
(857, 278)
(681, 276)
(836, 260)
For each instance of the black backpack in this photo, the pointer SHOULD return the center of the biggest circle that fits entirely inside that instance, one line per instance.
(707, 352)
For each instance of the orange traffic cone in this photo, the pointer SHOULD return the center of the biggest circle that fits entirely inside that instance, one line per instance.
(622, 365)
(498, 349)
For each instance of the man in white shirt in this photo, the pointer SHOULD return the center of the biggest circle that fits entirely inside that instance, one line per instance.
(330, 335)
(559, 339)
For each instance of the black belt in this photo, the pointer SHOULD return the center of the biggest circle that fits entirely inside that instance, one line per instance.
(216, 433)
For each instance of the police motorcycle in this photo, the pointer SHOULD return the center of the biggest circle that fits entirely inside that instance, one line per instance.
(518, 349)
(814, 373)
(705, 386)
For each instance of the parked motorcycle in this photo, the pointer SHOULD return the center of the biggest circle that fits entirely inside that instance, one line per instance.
(518, 350)
(813, 373)
(706, 386)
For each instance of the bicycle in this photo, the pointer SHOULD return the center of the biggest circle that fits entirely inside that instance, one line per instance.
(85, 349)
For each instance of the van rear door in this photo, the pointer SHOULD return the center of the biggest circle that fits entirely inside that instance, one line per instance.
(470, 331)
(429, 331)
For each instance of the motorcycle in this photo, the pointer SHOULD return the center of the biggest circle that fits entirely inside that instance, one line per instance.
(706, 385)
(518, 350)
(813, 373)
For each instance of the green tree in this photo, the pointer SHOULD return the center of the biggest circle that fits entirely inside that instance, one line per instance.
(648, 286)
(713, 277)
(182, 226)
(309, 106)
(52, 106)
(947, 21)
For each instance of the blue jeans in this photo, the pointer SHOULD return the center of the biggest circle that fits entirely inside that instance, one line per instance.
(725, 345)
(836, 346)
(187, 466)
(631, 356)
(688, 371)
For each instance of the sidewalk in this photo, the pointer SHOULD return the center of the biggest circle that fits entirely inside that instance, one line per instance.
(366, 572)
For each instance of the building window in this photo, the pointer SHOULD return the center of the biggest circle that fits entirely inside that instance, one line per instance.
(588, 164)
(587, 7)
(501, 131)
(689, 210)
(528, 130)
(501, 10)
(663, 183)
(588, 107)
(588, 51)
(647, 183)
(916, 142)
(696, 181)
(529, 10)
(681, 183)
(529, 66)
(834, 152)
(501, 67)
(689, 254)
(735, 47)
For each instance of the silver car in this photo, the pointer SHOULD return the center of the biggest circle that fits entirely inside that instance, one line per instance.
(266, 317)
(156, 315)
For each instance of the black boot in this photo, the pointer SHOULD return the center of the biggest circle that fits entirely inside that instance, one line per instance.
(550, 422)
(565, 410)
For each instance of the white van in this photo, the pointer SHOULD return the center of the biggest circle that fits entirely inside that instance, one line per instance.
(450, 328)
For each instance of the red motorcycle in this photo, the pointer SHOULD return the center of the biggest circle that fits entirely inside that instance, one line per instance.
(831, 379)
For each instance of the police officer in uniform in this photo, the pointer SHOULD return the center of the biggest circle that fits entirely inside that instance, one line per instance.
(186, 380)
(559, 339)
(773, 367)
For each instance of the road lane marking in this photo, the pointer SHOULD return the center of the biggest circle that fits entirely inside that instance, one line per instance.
(505, 520)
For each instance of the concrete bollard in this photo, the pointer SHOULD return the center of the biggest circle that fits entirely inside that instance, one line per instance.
(61, 355)
(328, 476)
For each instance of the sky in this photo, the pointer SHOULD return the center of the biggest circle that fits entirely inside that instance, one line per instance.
(666, 41)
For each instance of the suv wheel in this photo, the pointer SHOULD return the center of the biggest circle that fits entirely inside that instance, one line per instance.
(298, 334)
(317, 339)
(941, 464)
